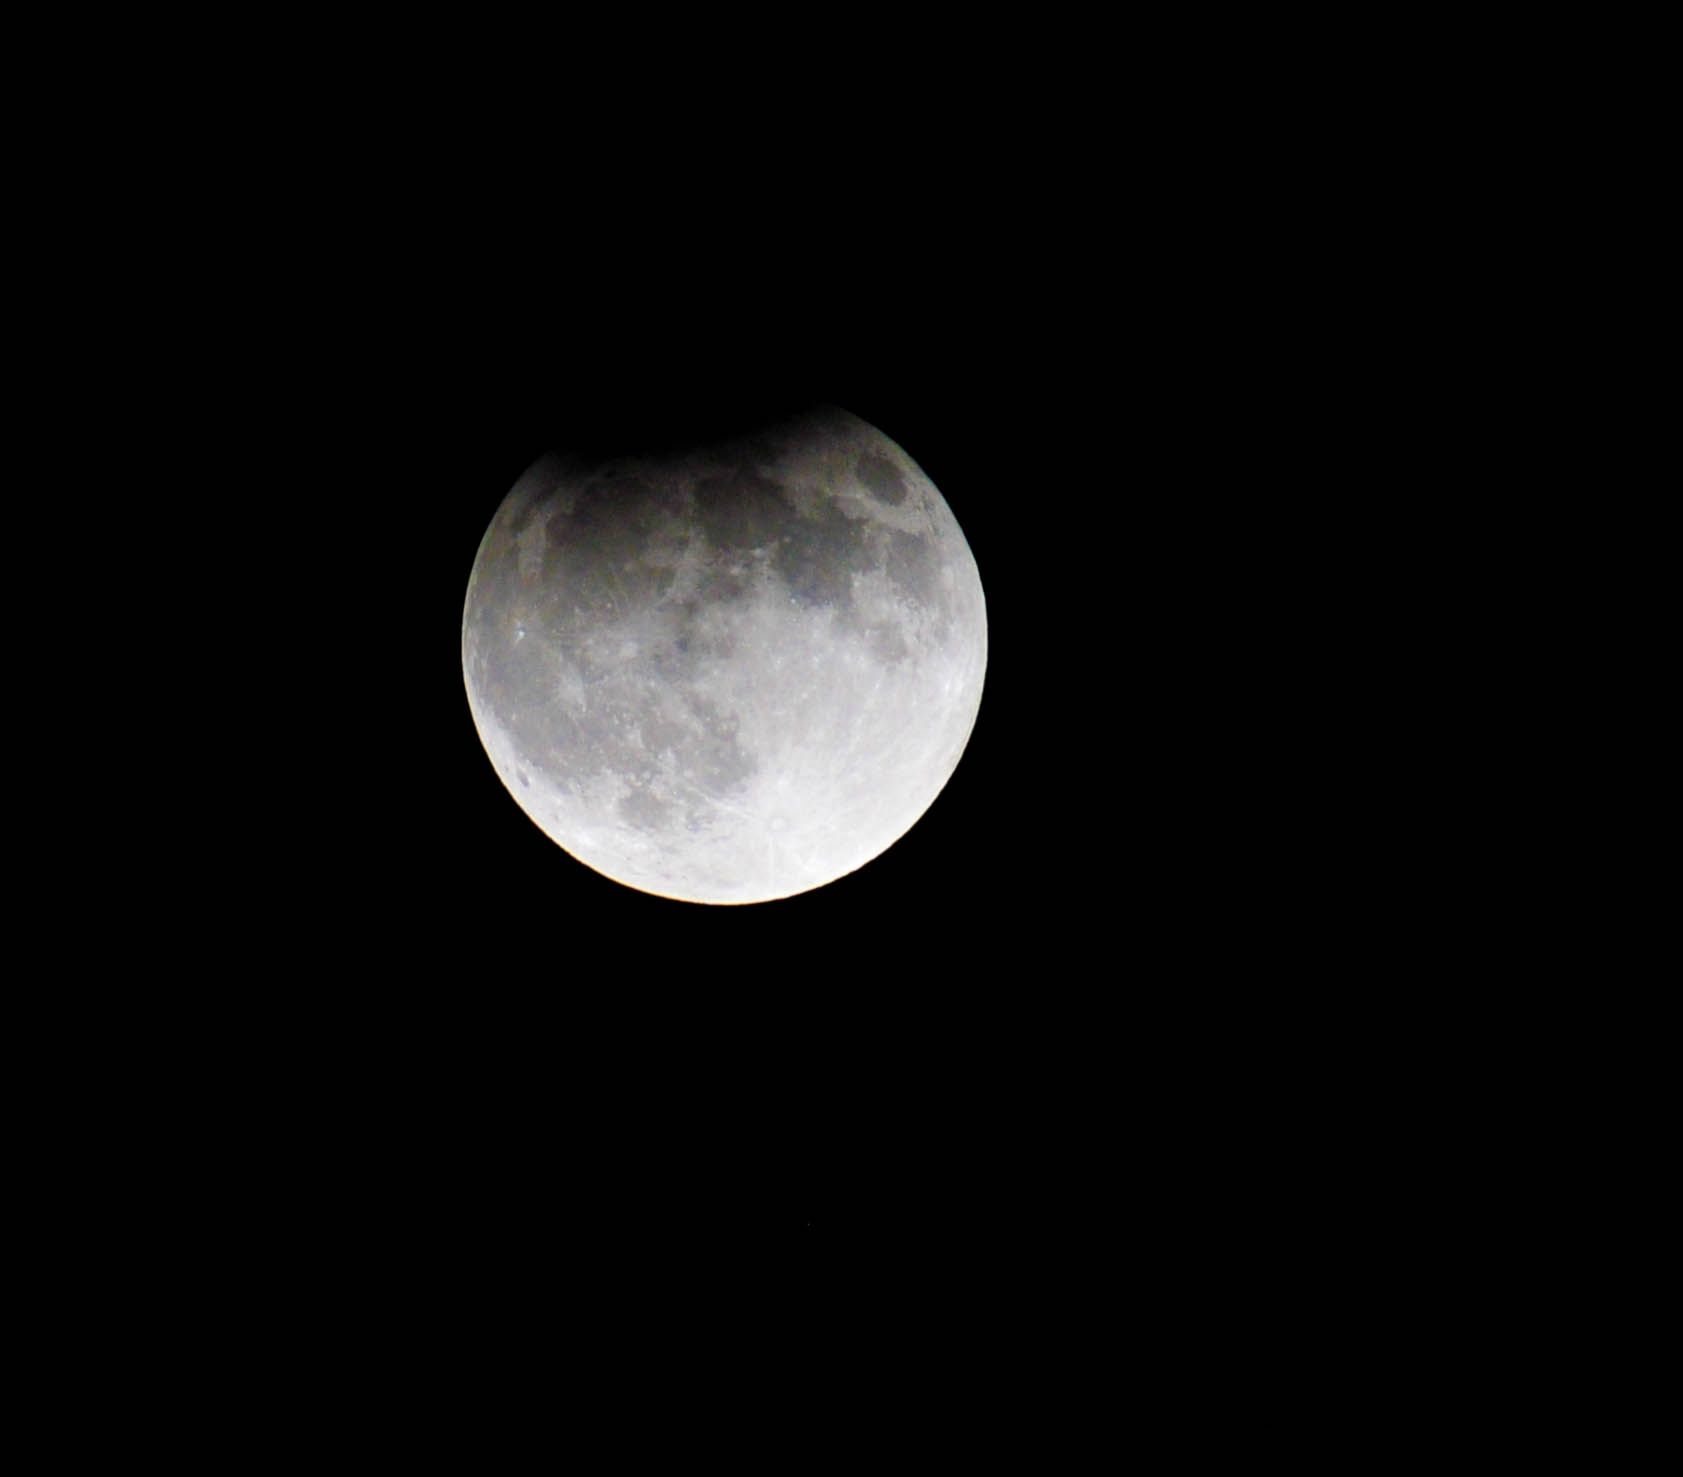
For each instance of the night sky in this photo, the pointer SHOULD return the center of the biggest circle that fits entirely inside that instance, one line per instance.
(854, 1056)
(449, 1034)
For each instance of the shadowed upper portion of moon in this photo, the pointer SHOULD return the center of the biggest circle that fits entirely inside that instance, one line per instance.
(730, 673)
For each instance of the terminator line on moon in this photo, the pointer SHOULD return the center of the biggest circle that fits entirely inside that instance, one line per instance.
(731, 674)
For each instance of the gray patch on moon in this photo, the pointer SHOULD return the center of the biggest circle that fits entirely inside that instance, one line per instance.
(818, 555)
(728, 676)
(881, 479)
(910, 562)
(739, 512)
(646, 811)
(887, 644)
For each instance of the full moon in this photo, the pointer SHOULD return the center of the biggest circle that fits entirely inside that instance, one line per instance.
(732, 672)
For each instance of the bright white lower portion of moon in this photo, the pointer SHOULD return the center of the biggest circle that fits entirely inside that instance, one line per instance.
(732, 675)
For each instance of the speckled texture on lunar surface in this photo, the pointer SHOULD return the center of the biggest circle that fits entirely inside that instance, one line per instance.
(732, 675)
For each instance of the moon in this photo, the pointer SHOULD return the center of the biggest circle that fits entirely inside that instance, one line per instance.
(728, 673)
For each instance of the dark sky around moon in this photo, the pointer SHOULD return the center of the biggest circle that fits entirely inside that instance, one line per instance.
(874, 1042)
(827, 1043)
(403, 1030)
(605, 1009)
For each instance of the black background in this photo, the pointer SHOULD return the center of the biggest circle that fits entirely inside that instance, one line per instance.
(926, 1048)
(850, 1055)
(1066, 979)
(1160, 1005)
(861, 1055)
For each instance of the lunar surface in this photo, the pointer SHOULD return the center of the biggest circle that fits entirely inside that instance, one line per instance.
(731, 674)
